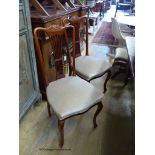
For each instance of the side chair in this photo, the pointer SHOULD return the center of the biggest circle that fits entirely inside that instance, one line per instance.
(68, 96)
(121, 55)
(87, 67)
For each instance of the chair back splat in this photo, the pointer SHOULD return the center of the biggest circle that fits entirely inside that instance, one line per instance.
(58, 39)
(81, 28)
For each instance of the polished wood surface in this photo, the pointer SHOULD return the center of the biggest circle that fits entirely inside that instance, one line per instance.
(54, 12)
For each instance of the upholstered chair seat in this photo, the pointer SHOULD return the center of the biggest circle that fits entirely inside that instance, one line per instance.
(121, 53)
(72, 95)
(90, 66)
(125, 29)
(86, 66)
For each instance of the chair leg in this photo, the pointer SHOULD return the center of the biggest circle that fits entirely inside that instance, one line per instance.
(48, 109)
(61, 130)
(120, 70)
(127, 76)
(106, 80)
(99, 108)
(116, 73)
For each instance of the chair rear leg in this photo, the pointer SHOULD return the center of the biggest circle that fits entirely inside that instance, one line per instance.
(106, 80)
(127, 75)
(99, 108)
(61, 130)
(120, 70)
(48, 109)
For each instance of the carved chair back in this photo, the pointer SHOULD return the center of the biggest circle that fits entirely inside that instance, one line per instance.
(81, 27)
(58, 39)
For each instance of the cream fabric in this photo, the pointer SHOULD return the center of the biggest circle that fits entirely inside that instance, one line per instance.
(72, 95)
(91, 66)
(126, 29)
(117, 33)
(121, 53)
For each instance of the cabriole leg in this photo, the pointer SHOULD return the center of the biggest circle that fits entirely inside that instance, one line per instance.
(99, 108)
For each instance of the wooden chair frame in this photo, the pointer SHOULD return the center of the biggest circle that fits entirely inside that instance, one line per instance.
(76, 21)
(58, 31)
(123, 68)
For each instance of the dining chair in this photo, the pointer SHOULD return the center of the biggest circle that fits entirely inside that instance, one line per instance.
(68, 96)
(87, 67)
(121, 55)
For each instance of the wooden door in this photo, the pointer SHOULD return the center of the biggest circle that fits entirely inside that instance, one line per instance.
(28, 81)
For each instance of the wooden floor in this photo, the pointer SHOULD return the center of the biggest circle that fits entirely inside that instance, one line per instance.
(114, 135)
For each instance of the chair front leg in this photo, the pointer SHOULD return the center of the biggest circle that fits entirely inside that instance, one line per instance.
(99, 108)
(61, 130)
(106, 80)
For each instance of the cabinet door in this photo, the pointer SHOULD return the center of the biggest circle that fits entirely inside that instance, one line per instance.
(28, 81)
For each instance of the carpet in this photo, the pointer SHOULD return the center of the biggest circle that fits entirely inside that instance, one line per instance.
(104, 35)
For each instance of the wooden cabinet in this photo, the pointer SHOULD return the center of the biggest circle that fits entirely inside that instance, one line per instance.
(28, 81)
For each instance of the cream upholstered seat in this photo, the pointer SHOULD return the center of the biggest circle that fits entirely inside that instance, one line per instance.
(90, 66)
(86, 66)
(126, 30)
(72, 95)
(67, 96)
(121, 53)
